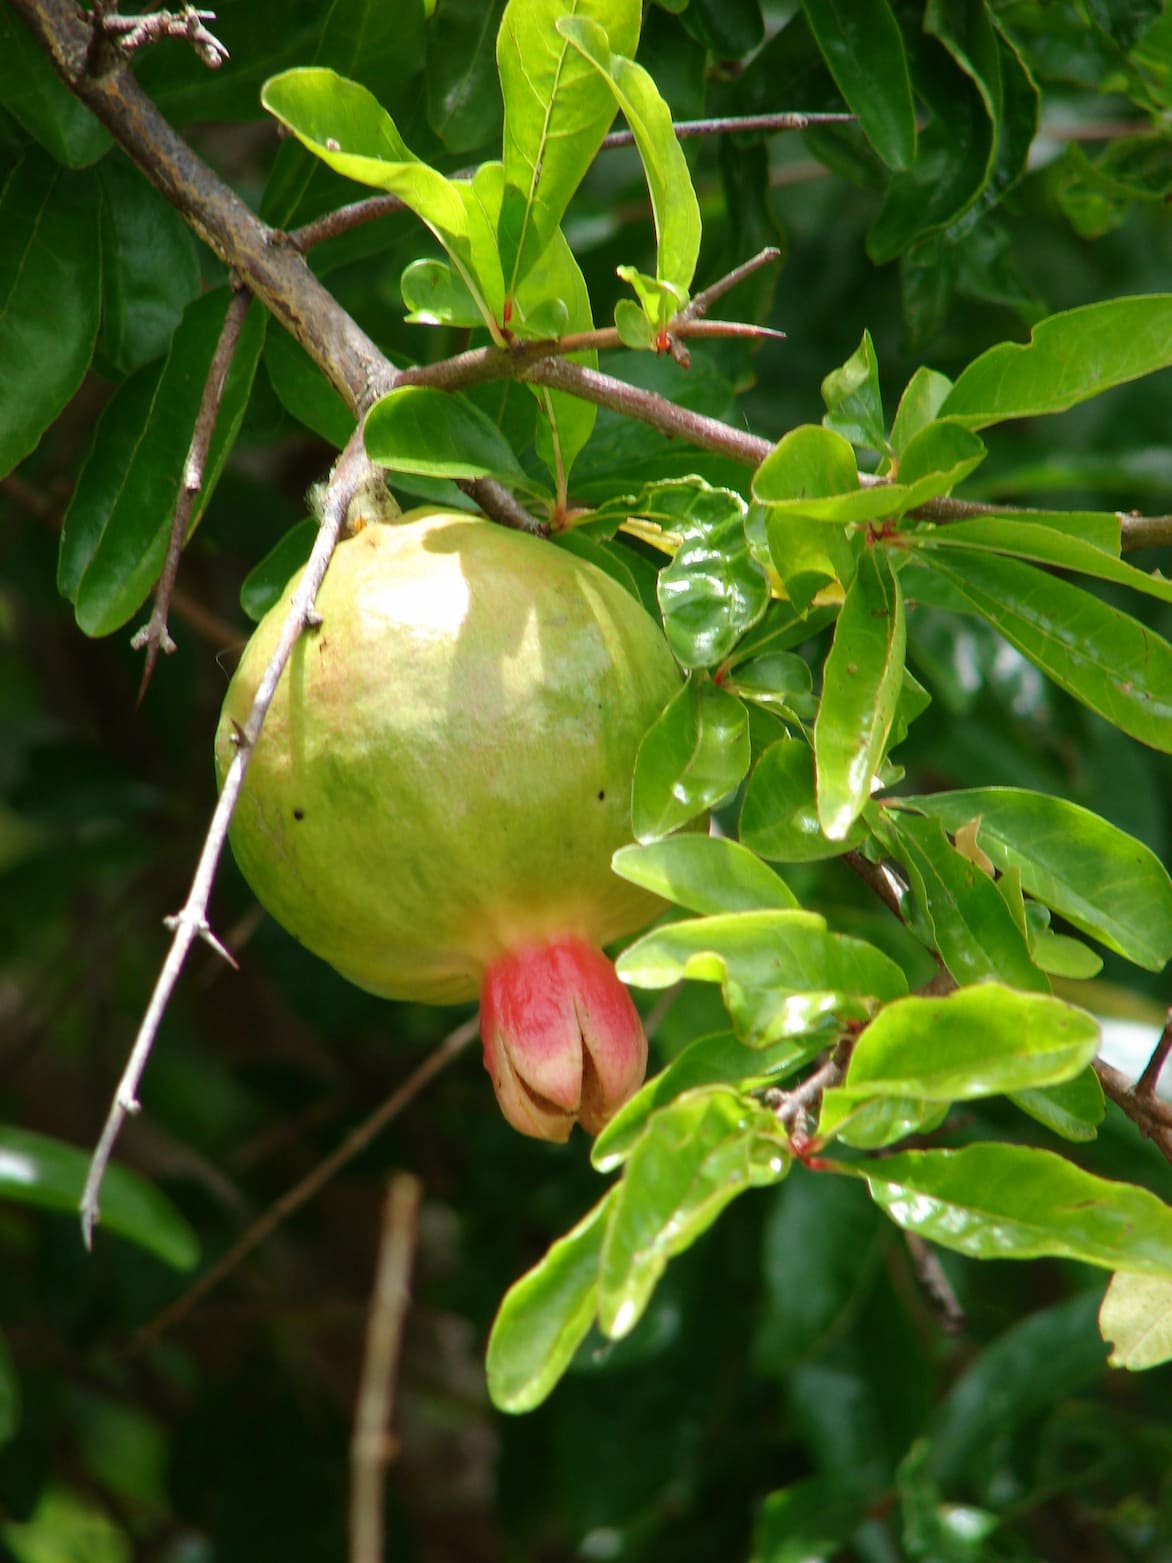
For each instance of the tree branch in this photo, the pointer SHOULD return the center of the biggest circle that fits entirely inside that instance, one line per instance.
(352, 471)
(154, 634)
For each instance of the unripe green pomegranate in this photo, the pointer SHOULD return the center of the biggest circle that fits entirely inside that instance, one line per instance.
(441, 780)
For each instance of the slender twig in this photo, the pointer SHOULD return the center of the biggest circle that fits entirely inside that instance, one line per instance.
(708, 296)
(1151, 1115)
(1145, 1086)
(796, 1108)
(686, 129)
(133, 32)
(154, 635)
(352, 470)
(372, 1446)
(353, 1145)
(931, 1275)
(503, 506)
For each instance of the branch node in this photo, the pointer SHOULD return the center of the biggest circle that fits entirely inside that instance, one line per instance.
(134, 32)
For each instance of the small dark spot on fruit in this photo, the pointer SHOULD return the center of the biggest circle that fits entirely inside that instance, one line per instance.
(298, 813)
(601, 795)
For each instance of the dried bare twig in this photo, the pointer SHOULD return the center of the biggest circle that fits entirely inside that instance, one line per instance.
(134, 32)
(372, 1446)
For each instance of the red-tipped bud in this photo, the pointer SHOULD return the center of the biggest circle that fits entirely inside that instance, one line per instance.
(562, 1040)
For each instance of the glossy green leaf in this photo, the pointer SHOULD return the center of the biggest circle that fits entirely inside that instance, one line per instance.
(806, 464)
(779, 817)
(343, 123)
(983, 1040)
(265, 583)
(48, 1173)
(557, 110)
(808, 556)
(546, 1315)
(50, 297)
(1074, 1109)
(706, 874)
(1069, 358)
(854, 402)
(693, 755)
(695, 1157)
(863, 47)
(1109, 661)
(435, 294)
(463, 96)
(39, 100)
(1049, 545)
(782, 974)
(714, 1060)
(1136, 1320)
(713, 590)
(870, 1122)
(553, 299)
(441, 435)
(730, 28)
(935, 460)
(861, 682)
(810, 1521)
(1034, 1366)
(1095, 875)
(1012, 1202)
(303, 390)
(918, 406)
(150, 268)
(118, 522)
(970, 924)
(1060, 956)
(673, 200)
(780, 681)
(9, 1396)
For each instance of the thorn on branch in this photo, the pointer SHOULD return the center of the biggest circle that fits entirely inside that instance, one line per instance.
(202, 929)
(135, 32)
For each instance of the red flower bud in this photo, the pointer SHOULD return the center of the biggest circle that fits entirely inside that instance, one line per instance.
(562, 1040)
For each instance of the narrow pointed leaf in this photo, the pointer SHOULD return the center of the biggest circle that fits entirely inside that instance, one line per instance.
(692, 756)
(37, 1170)
(1012, 1202)
(1074, 1109)
(546, 1315)
(863, 47)
(1095, 875)
(50, 298)
(782, 974)
(861, 682)
(1109, 661)
(779, 817)
(1069, 358)
(695, 1158)
(706, 874)
(673, 200)
(854, 402)
(557, 110)
(972, 928)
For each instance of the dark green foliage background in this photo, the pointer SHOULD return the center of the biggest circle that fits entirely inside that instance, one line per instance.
(793, 1344)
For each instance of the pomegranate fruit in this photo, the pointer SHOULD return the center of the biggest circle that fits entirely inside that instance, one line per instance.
(441, 780)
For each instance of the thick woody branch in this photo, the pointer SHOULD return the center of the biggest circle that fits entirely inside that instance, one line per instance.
(276, 273)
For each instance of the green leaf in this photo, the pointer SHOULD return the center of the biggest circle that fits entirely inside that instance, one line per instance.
(50, 296)
(36, 1170)
(715, 1060)
(1069, 358)
(695, 1157)
(806, 464)
(713, 590)
(545, 1316)
(706, 874)
(265, 583)
(854, 402)
(983, 1040)
(779, 817)
(439, 434)
(435, 294)
(1074, 1109)
(780, 681)
(810, 1521)
(782, 974)
(463, 97)
(304, 392)
(1136, 1320)
(1046, 544)
(861, 43)
(918, 406)
(557, 110)
(1103, 881)
(970, 925)
(119, 520)
(673, 200)
(343, 124)
(730, 28)
(38, 99)
(150, 268)
(1012, 1202)
(693, 755)
(861, 682)
(1109, 661)
(808, 556)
